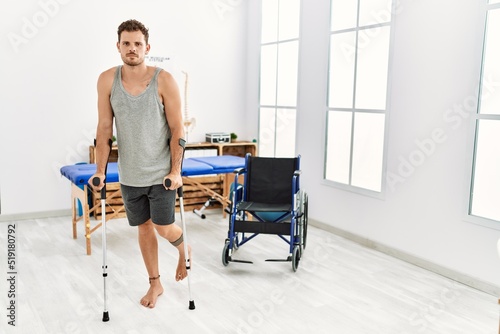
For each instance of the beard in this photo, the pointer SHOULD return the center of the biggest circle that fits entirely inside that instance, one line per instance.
(136, 61)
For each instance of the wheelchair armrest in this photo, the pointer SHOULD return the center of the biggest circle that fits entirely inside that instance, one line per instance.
(237, 172)
(240, 170)
(295, 181)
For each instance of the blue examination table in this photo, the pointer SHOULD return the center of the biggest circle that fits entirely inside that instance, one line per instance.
(81, 192)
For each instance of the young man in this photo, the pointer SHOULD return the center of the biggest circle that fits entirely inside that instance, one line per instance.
(145, 103)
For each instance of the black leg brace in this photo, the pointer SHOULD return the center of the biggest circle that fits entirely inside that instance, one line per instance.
(178, 241)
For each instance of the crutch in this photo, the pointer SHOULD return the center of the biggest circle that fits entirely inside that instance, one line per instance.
(168, 183)
(96, 182)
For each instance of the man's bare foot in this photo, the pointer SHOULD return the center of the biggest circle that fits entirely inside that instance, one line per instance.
(181, 272)
(155, 290)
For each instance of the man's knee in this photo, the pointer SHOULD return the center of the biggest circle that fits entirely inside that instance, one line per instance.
(146, 227)
(169, 231)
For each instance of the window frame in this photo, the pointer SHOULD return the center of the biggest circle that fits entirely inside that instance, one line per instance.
(474, 126)
(353, 110)
(278, 107)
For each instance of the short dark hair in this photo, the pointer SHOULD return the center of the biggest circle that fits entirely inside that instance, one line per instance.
(133, 25)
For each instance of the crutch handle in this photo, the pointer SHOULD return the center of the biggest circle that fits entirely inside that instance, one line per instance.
(96, 181)
(168, 183)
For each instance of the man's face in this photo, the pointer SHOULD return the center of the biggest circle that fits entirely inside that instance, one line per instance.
(132, 47)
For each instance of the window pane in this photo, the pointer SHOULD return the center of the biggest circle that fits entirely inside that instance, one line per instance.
(486, 185)
(285, 132)
(289, 18)
(267, 127)
(268, 56)
(490, 94)
(269, 21)
(344, 14)
(338, 150)
(374, 11)
(341, 82)
(287, 73)
(373, 60)
(368, 150)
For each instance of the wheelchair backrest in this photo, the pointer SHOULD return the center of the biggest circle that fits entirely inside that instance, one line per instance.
(269, 180)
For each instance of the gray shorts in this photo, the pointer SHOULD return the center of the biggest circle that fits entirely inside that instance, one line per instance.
(143, 203)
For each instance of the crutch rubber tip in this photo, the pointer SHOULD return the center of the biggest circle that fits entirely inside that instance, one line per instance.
(191, 305)
(105, 316)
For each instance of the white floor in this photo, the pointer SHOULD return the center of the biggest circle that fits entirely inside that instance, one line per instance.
(339, 287)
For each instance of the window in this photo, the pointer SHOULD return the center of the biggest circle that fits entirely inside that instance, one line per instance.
(485, 180)
(357, 93)
(278, 77)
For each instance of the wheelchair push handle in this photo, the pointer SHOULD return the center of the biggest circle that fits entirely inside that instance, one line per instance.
(168, 183)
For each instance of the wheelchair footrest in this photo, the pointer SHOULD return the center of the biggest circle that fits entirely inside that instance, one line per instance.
(262, 227)
(241, 261)
(288, 259)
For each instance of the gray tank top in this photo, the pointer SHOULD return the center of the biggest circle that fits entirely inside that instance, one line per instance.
(142, 134)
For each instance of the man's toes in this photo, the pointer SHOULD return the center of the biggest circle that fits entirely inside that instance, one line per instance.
(180, 276)
(147, 303)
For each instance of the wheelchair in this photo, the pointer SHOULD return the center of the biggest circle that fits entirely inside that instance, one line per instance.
(269, 201)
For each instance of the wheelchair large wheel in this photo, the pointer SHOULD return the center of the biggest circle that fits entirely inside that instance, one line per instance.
(304, 208)
(295, 258)
(225, 253)
(304, 221)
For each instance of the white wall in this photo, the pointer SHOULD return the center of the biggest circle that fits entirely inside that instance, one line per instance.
(53, 52)
(435, 66)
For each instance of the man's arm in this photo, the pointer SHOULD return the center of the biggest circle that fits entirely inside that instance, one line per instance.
(169, 91)
(105, 123)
